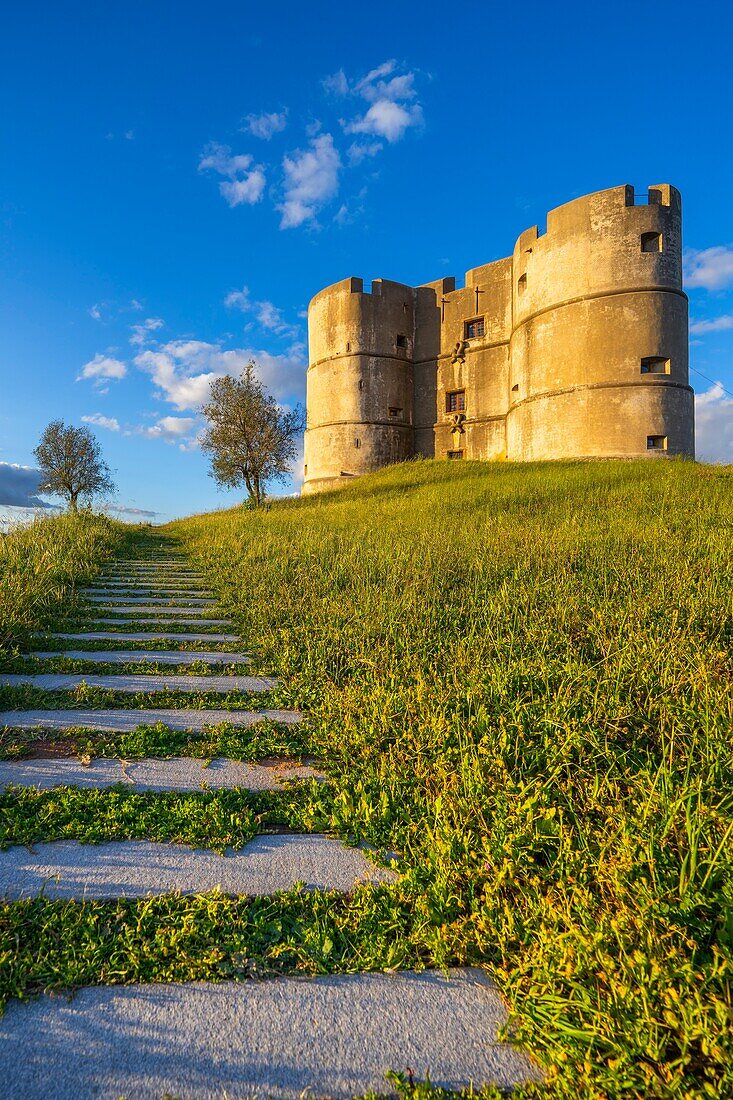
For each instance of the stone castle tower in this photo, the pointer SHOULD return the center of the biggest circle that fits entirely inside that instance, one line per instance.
(574, 347)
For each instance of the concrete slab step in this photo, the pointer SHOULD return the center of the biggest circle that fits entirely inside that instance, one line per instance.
(159, 656)
(334, 1036)
(139, 595)
(125, 720)
(62, 681)
(142, 868)
(110, 599)
(160, 620)
(185, 583)
(179, 773)
(148, 609)
(148, 635)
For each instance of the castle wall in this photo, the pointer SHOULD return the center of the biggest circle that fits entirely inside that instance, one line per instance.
(360, 381)
(589, 306)
(581, 351)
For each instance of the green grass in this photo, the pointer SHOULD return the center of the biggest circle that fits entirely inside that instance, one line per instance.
(41, 565)
(29, 697)
(259, 741)
(522, 678)
(29, 666)
(218, 819)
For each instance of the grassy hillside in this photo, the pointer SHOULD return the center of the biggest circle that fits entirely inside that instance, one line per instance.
(41, 564)
(521, 680)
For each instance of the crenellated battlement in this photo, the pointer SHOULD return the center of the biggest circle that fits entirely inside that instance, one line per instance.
(573, 346)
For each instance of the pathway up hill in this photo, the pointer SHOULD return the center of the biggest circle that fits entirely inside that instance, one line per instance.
(171, 854)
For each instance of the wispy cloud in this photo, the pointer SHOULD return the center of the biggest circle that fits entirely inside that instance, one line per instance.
(128, 510)
(709, 268)
(170, 429)
(100, 421)
(265, 126)
(102, 368)
(715, 324)
(311, 179)
(19, 486)
(96, 311)
(392, 98)
(383, 106)
(182, 370)
(244, 180)
(268, 315)
(714, 425)
(142, 331)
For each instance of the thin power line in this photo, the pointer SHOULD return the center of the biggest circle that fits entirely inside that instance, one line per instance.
(711, 381)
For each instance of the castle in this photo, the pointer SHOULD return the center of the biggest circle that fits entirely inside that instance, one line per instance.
(575, 346)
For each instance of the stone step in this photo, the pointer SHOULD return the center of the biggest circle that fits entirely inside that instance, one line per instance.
(160, 620)
(148, 609)
(143, 593)
(124, 720)
(149, 635)
(127, 579)
(334, 1036)
(62, 681)
(110, 598)
(141, 868)
(135, 656)
(153, 563)
(179, 773)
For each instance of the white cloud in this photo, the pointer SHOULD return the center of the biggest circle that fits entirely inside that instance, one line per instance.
(129, 135)
(386, 119)
(716, 324)
(711, 268)
(102, 421)
(336, 84)
(714, 425)
(96, 312)
(100, 368)
(19, 486)
(268, 315)
(391, 112)
(245, 181)
(136, 305)
(357, 152)
(183, 370)
(171, 429)
(265, 125)
(311, 179)
(141, 332)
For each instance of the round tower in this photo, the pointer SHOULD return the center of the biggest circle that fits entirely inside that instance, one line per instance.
(360, 398)
(599, 345)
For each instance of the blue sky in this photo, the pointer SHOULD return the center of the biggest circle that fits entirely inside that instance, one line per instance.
(179, 179)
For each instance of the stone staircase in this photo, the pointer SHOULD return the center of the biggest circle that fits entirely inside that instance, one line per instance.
(329, 1036)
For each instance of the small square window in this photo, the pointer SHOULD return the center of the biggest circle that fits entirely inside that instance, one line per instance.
(395, 413)
(455, 454)
(656, 443)
(655, 364)
(401, 341)
(456, 401)
(651, 242)
(472, 330)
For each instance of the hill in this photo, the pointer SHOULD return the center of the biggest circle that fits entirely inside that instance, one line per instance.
(520, 679)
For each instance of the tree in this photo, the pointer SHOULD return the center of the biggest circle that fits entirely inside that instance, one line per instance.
(71, 464)
(250, 439)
